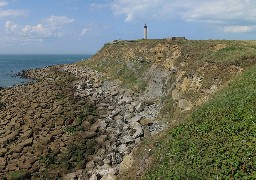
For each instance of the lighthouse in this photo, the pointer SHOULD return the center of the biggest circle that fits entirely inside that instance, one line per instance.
(145, 31)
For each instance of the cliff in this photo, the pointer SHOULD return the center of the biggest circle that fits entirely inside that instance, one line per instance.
(111, 115)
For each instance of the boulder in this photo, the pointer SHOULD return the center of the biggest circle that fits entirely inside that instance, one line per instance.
(90, 165)
(86, 125)
(116, 158)
(135, 118)
(2, 163)
(2, 132)
(93, 177)
(106, 170)
(88, 134)
(9, 138)
(130, 108)
(27, 134)
(19, 147)
(122, 148)
(71, 176)
(25, 165)
(3, 151)
(127, 116)
(138, 129)
(13, 165)
(95, 126)
(101, 139)
(146, 122)
(115, 112)
(126, 100)
(140, 107)
(127, 139)
(109, 177)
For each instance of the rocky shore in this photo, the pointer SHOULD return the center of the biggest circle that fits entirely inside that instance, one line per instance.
(84, 121)
(125, 120)
(70, 124)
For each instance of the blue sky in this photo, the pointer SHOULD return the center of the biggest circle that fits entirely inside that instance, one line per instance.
(83, 26)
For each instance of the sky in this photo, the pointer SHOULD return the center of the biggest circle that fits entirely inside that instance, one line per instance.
(84, 26)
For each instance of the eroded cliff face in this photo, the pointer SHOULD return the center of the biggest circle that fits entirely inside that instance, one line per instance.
(187, 72)
(86, 119)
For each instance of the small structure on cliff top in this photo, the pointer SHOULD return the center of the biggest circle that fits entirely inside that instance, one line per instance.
(176, 38)
(145, 31)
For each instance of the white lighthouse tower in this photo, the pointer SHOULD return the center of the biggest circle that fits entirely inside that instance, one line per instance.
(145, 31)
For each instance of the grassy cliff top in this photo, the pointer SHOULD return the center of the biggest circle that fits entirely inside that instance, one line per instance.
(128, 60)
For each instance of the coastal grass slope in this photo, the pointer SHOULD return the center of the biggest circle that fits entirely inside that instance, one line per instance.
(216, 142)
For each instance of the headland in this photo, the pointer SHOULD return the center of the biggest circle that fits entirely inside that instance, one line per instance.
(101, 118)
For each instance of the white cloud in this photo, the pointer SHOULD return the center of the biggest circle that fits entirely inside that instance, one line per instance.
(134, 9)
(58, 21)
(229, 10)
(50, 28)
(84, 31)
(11, 12)
(36, 31)
(90, 28)
(10, 26)
(95, 6)
(223, 13)
(3, 3)
(189, 10)
(93, 29)
(239, 29)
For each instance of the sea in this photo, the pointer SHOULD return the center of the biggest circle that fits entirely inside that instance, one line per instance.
(10, 65)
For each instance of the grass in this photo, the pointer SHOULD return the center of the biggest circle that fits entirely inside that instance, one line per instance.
(218, 140)
(130, 74)
(75, 155)
(73, 159)
(167, 111)
(231, 52)
(18, 175)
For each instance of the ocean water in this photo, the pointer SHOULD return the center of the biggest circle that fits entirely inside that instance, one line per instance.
(12, 64)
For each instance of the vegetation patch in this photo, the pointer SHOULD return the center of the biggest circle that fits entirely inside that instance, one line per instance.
(74, 157)
(18, 175)
(129, 73)
(217, 142)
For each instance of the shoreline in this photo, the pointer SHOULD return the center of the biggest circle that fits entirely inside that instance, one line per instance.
(13, 65)
(27, 110)
(22, 75)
